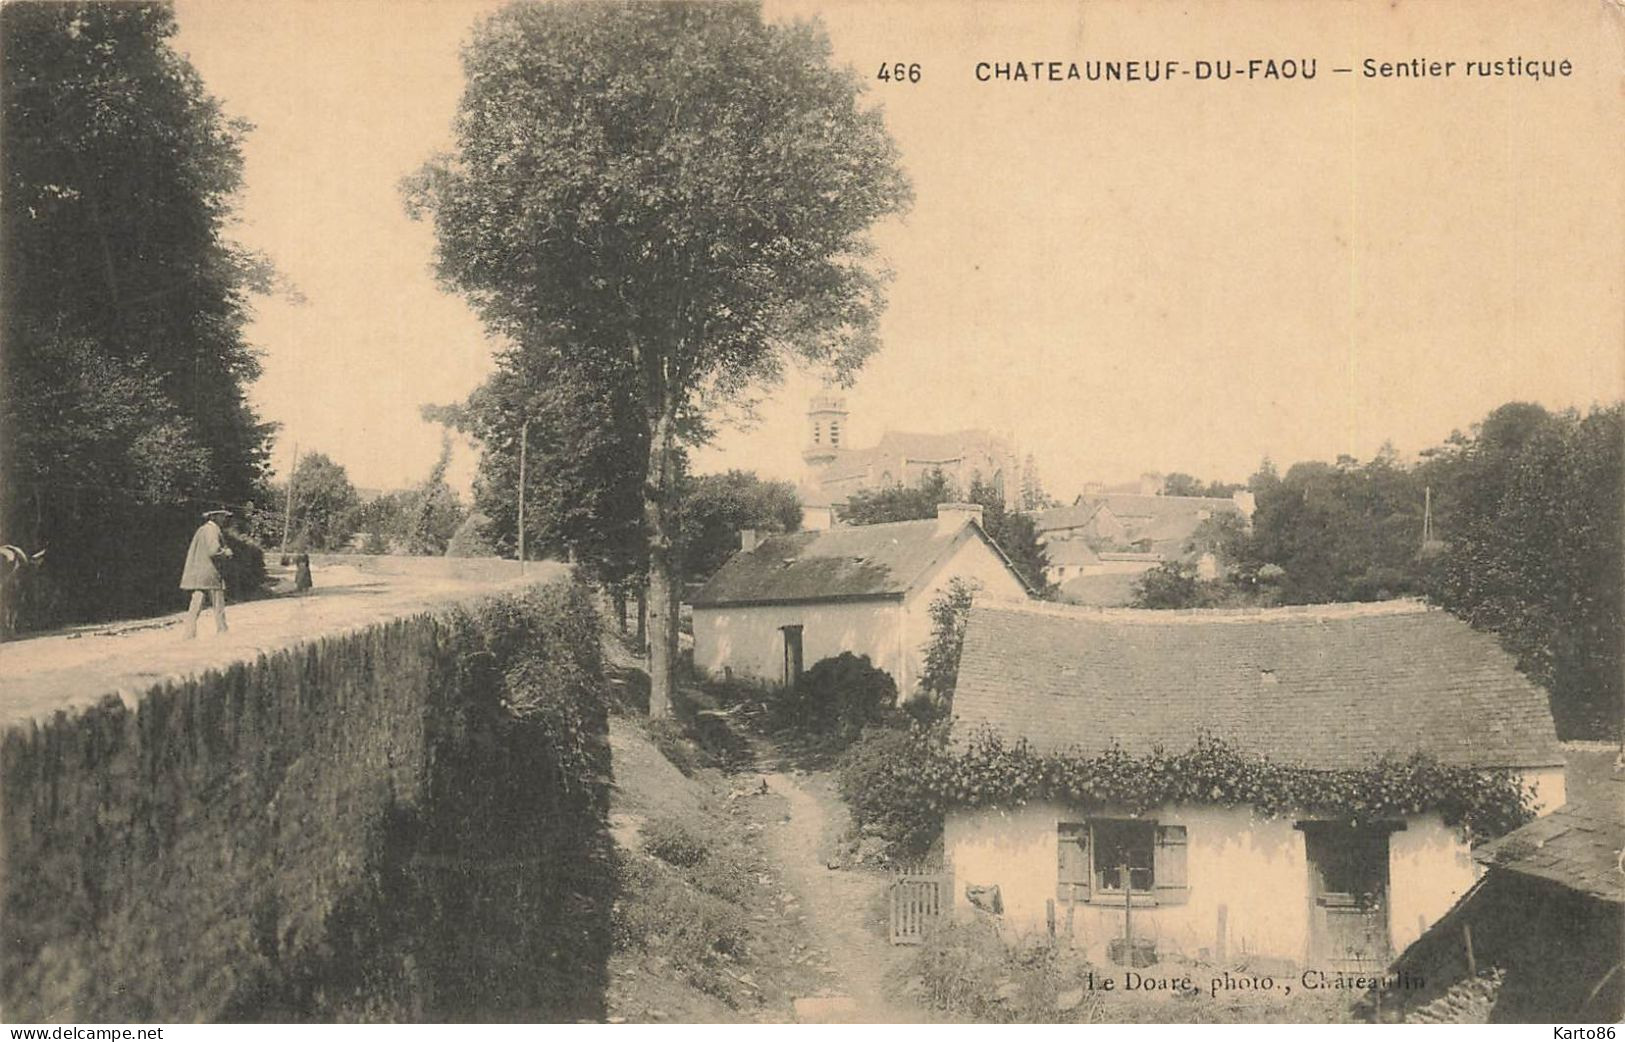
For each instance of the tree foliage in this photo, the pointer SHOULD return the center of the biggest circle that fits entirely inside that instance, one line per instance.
(1341, 532)
(950, 611)
(1013, 531)
(677, 199)
(715, 507)
(434, 512)
(421, 520)
(1528, 526)
(1178, 484)
(877, 506)
(1533, 524)
(585, 450)
(123, 304)
(325, 504)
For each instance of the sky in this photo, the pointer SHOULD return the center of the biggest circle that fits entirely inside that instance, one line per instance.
(1183, 275)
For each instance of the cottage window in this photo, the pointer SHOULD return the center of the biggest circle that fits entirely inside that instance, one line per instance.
(1091, 857)
(1120, 844)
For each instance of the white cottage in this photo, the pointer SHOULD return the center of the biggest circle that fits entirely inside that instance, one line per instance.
(779, 606)
(1326, 688)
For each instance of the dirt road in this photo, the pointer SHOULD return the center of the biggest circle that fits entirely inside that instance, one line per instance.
(79, 667)
(842, 907)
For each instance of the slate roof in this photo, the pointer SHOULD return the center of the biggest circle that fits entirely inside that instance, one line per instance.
(1057, 518)
(1577, 846)
(1324, 687)
(847, 562)
(1070, 551)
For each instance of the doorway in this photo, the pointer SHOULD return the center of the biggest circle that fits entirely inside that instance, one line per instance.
(792, 654)
(1348, 894)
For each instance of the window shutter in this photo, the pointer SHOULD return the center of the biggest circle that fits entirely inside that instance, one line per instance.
(1172, 885)
(1072, 862)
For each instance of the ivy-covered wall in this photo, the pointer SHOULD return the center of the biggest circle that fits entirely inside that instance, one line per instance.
(405, 822)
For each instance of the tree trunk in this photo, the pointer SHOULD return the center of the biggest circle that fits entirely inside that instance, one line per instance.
(662, 595)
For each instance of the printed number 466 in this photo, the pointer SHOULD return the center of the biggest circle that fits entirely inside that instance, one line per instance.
(900, 72)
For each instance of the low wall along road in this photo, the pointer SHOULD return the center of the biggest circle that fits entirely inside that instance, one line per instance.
(305, 818)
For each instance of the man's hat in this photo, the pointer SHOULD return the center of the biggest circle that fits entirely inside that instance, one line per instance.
(217, 513)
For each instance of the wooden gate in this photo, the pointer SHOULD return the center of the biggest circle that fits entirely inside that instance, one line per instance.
(918, 899)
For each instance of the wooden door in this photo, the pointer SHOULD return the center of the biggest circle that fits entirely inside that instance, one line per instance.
(1348, 894)
(792, 655)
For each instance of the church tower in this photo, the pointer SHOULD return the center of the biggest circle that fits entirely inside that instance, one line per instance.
(826, 429)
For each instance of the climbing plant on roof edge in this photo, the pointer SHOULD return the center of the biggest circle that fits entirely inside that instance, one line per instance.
(929, 776)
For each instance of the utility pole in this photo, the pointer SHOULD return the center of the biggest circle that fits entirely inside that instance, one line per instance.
(287, 511)
(524, 438)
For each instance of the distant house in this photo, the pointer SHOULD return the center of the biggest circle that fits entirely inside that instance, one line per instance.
(1540, 938)
(1069, 559)
(1324, 688)
(779, 606)
(1129, 533)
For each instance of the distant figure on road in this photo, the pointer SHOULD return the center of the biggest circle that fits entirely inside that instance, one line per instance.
(201, 576)
(301, 573)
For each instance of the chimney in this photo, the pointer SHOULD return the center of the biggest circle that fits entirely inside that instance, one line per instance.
(1244, 502)
(748, 539)
(951, 517)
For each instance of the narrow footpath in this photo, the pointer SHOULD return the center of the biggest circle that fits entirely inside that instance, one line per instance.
(845, 907)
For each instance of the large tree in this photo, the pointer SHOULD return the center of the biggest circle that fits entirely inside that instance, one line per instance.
(122, 303)
(325, 504)
(681, 192)
(585, 448)
(1532, 517)
(1341, 531)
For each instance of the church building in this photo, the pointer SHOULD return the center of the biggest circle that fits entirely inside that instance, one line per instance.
(835, 471)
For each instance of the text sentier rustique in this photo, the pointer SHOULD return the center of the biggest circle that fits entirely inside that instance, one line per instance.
(1159, 70)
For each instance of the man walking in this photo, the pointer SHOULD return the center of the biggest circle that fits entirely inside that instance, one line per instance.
(200, 575)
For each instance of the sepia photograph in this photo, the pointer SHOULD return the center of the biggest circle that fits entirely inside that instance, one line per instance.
(811, 512)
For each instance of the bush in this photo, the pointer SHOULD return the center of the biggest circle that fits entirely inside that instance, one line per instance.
(244, 570)
(660, 910)
(727, 873)
(673, 741)
(838, 696)
(881, 778)
(971, 973)
(675, 842)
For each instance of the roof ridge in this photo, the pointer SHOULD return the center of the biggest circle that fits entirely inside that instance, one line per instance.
(1155, 616)
(874, 525)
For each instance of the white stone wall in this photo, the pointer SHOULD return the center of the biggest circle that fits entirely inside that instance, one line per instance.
(1549, 786)
(1429, 867)
(748, 639)
(892, 633)
(1255, 866)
